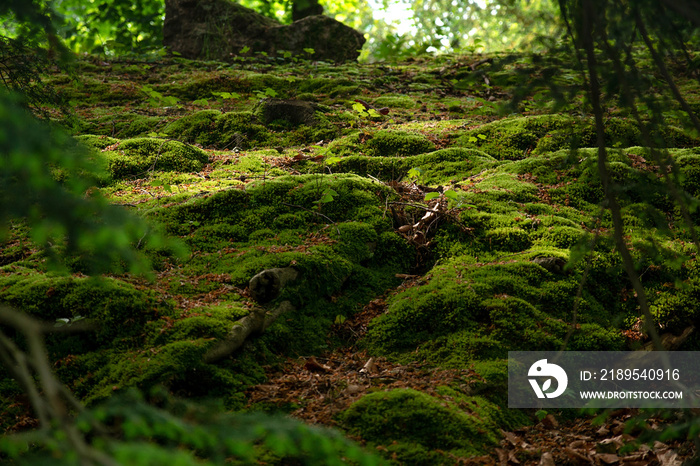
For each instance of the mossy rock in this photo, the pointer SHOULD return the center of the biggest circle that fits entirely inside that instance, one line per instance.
(211, 128)
(510, 239)
(135, 157)
(382, 143)
(515, 305)
(121, 124)
(116, 308)
(97, 142)
(395, 101)
(416, 428)
(178, 366)
(332, 87)
(513, 138)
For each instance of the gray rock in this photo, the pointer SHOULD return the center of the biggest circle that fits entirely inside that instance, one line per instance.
(296, 112)
(268, 284)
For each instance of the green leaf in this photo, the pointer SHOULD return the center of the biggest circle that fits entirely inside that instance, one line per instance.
(481, 136)
(201, 102)
(450, 194)
(359, 108)
(309, 50)
(227, 95)
(245, 49)
(431, 196)
(414, 173)
(333, 160)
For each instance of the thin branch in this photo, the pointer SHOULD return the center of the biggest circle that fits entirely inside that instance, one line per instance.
(589, 19)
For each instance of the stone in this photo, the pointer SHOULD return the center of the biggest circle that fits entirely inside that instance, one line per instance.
(268, 284)
(296, 112)
(220, 29)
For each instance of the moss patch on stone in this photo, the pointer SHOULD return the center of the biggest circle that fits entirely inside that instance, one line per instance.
(413, 427)
(136, 157)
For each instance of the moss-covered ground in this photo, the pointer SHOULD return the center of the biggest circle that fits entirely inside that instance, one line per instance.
(473, 221)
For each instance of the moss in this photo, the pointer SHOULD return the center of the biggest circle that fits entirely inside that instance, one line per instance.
(121, 124)
(469, 310)
(516, 138)
(211, 128)
(135, 157)
(385, 143)
(394, 101)
(398, 144)
(178, 366)
(508, 239)
(332, 87)
(97, 142)
(115, 307)
(416, 428)
(562, 236)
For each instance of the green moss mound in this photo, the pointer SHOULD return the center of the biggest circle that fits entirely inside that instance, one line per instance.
(135, 157)
(416, 428)
(482, 311)
(517, 138)
(382, 143)
(211, 128)
(117, 309)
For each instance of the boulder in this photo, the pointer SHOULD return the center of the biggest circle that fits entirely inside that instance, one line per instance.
(296, 112)
(220, 29)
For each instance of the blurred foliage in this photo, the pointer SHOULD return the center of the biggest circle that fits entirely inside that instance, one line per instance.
(21, 67)
(468, 26)
(111, 27)
(161, 430)
(45, 181)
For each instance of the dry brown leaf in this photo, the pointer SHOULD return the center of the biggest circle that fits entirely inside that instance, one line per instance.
(547, 459)
(512, 438)
(577, 456)
(370, 367)
(577, 444)
(502, 456)
(313, 365)
(608, 458)
(550, 422)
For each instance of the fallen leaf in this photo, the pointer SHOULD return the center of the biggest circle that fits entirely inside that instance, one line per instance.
(370, 367)
(313, 365)
(547, 459)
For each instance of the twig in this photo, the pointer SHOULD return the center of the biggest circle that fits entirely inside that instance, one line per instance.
(313, 212)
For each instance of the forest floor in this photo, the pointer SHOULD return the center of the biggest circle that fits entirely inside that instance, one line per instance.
(432, 221)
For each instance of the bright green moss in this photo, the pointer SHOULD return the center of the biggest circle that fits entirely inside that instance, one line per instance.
(211, 128)
(135, 157)
(397, 144)
(511, 239)
(416, 428)
(178, 366)
(394, 101)
(115, 307)
(469, 311)
(121, 124)
(386, 143)
(97, 142)
(332, 87)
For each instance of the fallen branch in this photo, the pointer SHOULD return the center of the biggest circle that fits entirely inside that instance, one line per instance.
(263, 287)
(254, 323)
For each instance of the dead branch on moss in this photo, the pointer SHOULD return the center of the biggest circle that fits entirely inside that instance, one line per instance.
(263, 287)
